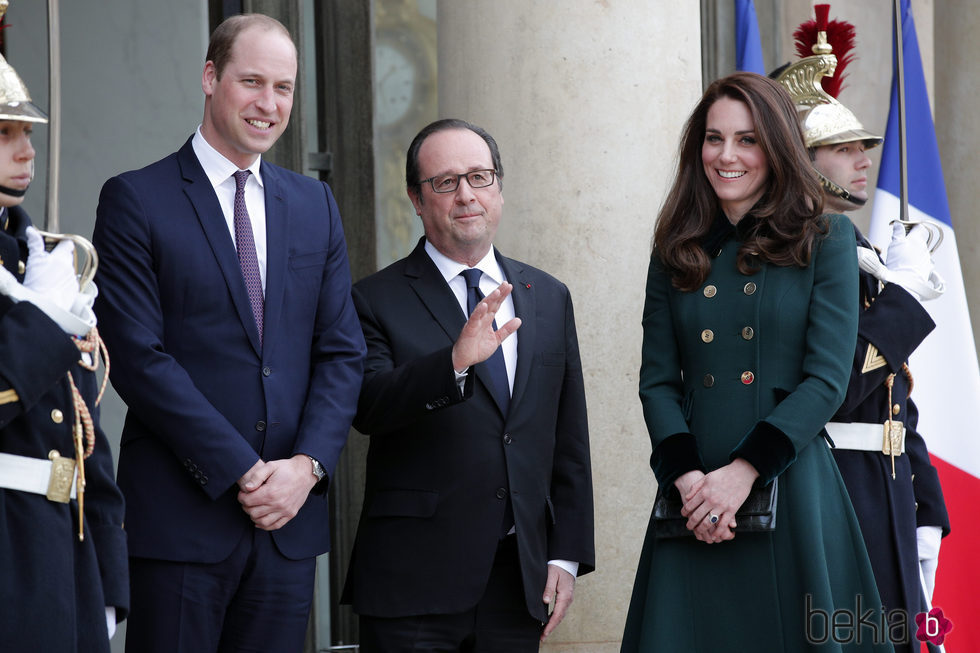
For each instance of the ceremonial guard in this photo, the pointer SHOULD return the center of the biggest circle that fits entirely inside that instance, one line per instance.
(883, 459)
(62, 546)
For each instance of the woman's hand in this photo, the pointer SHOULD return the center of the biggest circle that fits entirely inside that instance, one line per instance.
(711, 501)
(684, 482)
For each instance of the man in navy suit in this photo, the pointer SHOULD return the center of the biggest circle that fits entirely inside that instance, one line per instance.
(225, 300)
(478, 501)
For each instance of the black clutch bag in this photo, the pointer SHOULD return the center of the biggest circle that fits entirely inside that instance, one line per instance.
(757, 514)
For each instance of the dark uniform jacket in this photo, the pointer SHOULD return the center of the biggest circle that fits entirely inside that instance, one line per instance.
(54, 589)
(892, 323)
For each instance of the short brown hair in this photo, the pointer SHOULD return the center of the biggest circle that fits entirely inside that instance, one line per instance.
(224, 35)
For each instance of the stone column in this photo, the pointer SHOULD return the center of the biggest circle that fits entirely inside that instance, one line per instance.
(957, 94)
(586, 100)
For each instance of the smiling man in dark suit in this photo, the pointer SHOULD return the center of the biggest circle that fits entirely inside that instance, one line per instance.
(226, 304)
(478, 505)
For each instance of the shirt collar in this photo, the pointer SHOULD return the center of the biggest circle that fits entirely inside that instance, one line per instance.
(450, 268)
(217, 168)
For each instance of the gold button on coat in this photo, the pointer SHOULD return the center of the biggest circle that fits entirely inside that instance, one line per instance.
(57, 416)
(896, 409)
(21, 268)
(710, 291)
(749, 288)
(707, 335)
(748, 333)
(748, 377)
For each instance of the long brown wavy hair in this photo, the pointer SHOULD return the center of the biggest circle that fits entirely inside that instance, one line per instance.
(787, 217)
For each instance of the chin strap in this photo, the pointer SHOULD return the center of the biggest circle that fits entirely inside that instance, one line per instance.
(13, 192)
(834, 189)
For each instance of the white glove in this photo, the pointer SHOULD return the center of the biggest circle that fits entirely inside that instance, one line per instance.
(910, 263)
(928, 539)
(110, 619)
(51, 274)
(77, 320)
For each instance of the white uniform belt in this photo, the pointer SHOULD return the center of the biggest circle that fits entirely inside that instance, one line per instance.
(859, 436)
(28, 474)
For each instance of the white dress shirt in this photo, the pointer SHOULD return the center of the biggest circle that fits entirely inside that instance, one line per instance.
(492, 277)
(220, 172)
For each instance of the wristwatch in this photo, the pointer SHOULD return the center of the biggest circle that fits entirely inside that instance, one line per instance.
(318, 470)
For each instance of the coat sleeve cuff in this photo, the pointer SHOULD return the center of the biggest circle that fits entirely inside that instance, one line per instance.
(767, 449)
(674, 456)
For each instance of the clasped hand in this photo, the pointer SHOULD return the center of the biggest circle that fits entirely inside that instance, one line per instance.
(478, 340)
(720, 492)
(271, 493)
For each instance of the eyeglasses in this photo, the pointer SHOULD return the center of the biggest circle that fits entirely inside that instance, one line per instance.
(449, 183)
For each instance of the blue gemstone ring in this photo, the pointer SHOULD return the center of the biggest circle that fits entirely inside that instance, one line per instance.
(713, 518)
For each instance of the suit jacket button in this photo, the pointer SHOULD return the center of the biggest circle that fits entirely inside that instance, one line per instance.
(57, 416)
(707, 335)
(501, 493)
(708, 380)
(260, 425)
(748, 377)
(266, 371)
(750, 288)
(710, 291)
(748, 333)
(507, 438)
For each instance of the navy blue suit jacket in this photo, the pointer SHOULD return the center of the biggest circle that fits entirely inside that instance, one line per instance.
(205, 399)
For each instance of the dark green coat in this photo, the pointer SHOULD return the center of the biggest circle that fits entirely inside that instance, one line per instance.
(753, 366)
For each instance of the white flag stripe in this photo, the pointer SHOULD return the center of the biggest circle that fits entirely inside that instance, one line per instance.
(945, 369)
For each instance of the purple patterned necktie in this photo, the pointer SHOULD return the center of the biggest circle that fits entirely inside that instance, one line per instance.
(245, 243)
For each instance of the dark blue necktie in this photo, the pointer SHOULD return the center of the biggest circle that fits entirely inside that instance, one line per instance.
(495, 364)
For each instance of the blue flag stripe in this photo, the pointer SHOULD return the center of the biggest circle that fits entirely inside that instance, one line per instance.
(748, 43)
(926, 186)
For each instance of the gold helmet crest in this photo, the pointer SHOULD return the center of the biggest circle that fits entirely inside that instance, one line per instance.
(824, 119)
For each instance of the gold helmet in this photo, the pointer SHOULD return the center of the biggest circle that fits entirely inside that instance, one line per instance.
(825, 121)
(15, 101)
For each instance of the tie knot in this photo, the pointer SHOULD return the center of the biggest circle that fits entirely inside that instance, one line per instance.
(472, 276)
(241, 176)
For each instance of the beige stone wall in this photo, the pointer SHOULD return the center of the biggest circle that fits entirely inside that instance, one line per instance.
(958, 93)
(586, 100)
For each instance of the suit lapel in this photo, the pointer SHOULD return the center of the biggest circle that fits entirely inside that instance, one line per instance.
(202, 196)
(524, 308)
(277, 235)
(428, 283)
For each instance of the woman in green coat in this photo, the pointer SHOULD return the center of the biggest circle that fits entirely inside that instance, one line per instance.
(748, 333)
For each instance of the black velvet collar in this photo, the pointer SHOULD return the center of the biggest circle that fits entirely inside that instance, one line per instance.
(721, 230)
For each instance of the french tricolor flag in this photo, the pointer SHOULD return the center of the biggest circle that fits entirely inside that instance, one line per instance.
(947, 378)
